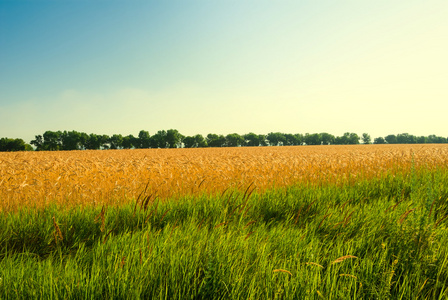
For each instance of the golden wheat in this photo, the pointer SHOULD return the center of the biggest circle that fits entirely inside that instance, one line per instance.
(111, 177)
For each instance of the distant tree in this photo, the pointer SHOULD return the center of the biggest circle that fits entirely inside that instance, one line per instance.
(38, 142)
(104, 142)
(93, 142)
(84, 137)
(433, 139)
(173, 138)
(116, 141)
(276, 138)
(442, 139)
(8, 144)
(379, 140)
(412, 139)
(234, 140)
(366, 138)
(159, 140)
(126, 144)
(405, 138)
(144, 140)
(215, 140)
(52, 140)
(201, 142)
(129, 141)
(353, 139)
(262, 140)
(194, 141)
(134, 140)
(251, 139)
(421, 140)
(189, 142)
(391, 139)
(326, 138)
(313, 139)
(347, 139)
(71, 140)
(342, 140)
(292, 139)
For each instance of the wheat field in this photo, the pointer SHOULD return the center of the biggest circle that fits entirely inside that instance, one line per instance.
(69, 178)
(339, 222)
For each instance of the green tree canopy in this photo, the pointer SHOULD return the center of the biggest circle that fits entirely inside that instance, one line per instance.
(215, 140)
(312, 139)
(366, 139)
(276, 138)
(144, 140)
(159, 140)
(234, 140)
(391, 139)
(52, 140)
(7, 144)
(173, 138)
(251, 139)
(379, 140)
(116, 141)
(327, 139)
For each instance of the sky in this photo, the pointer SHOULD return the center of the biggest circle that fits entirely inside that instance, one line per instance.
(223, 66)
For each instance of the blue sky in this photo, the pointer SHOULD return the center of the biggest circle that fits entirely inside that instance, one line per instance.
(201, 66)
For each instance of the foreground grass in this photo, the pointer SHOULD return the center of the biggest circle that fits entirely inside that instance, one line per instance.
(379, 239)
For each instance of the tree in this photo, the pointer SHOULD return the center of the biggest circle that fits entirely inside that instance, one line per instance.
(347, 139)
(7, 144)
(262, 140)
(326, 138)
(405, 138)
(353, 139)
(422, 139)
(391, 139)
(251, 139)
(234, 140)
(70, 140)
(116, 141)
(215, 140)
(52, 140)
(38, 142)
(291, 139)
(366, 138)
(433, 139)
(342, 140)
(104, 141)
(128, 141)
(200, 141)
(83, 140)
(442, 139)
(144, 140)
(189, 142)
(159, 140)
(93, 142)
(276, 138)
(379, 140)
(194, 141)
(173, 138)
(313, 139)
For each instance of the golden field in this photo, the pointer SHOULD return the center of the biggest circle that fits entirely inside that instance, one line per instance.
(36, 179)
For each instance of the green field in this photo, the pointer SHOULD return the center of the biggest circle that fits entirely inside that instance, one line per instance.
(384, 238)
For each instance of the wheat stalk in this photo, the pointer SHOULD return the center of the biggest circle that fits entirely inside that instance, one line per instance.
(342, 258)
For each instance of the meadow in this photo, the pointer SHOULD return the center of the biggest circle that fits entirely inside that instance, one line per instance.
(306, 222)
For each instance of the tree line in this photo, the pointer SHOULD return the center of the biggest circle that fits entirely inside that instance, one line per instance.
(172, 138)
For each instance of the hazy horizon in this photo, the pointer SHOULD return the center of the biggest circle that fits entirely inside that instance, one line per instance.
(201, 67)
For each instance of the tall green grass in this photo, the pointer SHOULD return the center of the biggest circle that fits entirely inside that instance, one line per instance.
(379, 239)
